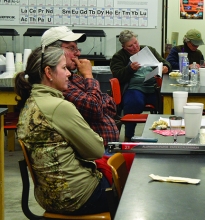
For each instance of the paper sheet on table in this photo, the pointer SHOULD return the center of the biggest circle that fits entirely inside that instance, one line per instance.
(167, 120)
(174, 179)
(145, 58)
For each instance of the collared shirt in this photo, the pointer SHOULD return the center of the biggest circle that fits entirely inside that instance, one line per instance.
(97, 108)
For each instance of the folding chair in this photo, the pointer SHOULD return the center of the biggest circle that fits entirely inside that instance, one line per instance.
(119, 172)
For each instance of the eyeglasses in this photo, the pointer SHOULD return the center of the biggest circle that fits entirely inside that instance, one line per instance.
(73, 49)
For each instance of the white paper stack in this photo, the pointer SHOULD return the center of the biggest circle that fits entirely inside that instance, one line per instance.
(145, 58)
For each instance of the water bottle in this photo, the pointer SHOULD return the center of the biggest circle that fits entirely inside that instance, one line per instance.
(194, 74)
(185, 69)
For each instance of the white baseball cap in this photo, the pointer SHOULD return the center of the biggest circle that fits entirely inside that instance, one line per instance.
(61, 33)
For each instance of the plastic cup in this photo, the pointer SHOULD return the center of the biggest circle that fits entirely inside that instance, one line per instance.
(192, 120)
(18, 57)
(3, 58)
(180, 100)
(196, 104)
(26, 54)
(181, 56)
(202, 76)
(10, 66)
(18, 63)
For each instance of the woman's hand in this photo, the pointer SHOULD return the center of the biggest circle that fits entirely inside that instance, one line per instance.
(135, 65)
(165, 69)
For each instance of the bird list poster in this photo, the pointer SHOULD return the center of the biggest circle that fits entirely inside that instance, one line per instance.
(130, 13)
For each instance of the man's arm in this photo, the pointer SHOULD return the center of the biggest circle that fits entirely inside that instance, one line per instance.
(173, 58)
(85, 94)
(109, 106)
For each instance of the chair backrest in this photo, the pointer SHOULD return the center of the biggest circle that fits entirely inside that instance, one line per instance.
(27, 160)
(116, 94)
(115, 90)
(158, 81)
(119, 172)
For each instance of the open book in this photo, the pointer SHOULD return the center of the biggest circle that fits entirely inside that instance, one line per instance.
(145, 58)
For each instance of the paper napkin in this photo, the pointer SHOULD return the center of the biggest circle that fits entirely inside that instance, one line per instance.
(168, 132)
(174, 179)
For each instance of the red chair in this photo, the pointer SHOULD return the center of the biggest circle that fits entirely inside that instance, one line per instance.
(137, 118)
(11, 120)
(116, 94)
(10, 123)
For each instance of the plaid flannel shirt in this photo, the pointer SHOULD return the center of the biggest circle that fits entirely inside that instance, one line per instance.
(97, 108)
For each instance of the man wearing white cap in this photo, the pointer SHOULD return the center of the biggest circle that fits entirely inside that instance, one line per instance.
(97, 108)
(63, 37)
(192, 40)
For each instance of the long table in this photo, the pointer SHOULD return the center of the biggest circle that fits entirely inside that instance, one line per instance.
(144, 198)
(147, 132)
(196, 93)
(7, 97)
(2, 112)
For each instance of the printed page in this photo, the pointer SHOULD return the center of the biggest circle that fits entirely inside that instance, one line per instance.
(156, 71)
(145, 58)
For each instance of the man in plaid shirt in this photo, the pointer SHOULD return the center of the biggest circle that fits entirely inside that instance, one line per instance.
(97, 108)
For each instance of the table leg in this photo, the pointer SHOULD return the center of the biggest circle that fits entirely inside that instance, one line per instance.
(11, 140)
(11, 133)
(199, 99)
(168, 102)
(167, 105)
(2, 167)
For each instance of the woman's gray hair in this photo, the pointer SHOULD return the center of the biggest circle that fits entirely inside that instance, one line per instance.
(34, 73)
(126, 36)
(36, 62)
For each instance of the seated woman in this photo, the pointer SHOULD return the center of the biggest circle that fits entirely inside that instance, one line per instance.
(136, 92)
(61, 145)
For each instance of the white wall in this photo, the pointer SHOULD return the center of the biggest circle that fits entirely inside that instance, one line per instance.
(144, 36)
(175, 24)
(151, 37)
